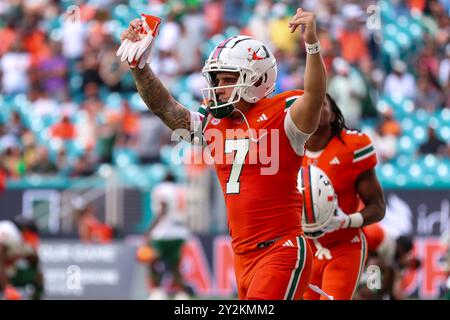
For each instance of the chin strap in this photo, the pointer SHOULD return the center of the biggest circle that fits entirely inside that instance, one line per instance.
(196, 139)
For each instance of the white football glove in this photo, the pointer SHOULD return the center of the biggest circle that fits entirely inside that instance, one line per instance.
(341, 220)
(138, 53)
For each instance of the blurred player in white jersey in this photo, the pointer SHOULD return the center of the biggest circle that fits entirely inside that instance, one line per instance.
(166, 235)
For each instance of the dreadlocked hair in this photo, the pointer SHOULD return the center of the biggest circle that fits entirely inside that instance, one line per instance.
(338, 124)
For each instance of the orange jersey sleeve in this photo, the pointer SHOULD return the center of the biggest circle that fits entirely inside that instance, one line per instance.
(364, 156)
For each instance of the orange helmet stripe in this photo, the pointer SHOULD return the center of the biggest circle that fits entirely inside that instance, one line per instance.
(308, 207)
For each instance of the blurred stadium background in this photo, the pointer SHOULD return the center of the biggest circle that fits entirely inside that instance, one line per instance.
(74, 132)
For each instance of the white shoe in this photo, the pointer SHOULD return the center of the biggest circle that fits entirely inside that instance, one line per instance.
(157, 294)
(181, 296)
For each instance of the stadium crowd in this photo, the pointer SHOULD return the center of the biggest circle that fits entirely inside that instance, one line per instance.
(68, 104)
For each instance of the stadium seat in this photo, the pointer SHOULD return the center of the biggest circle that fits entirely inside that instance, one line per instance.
(429, 163)
(388, 170)
(444, 116)
(136, 102)
(401, 180)
(444, 133)
(186, 99)
(443, 172)
(422, 117)
(387, 14)
(113, 101)
(127, 80)
(407, 107)
(406, 145)
(407, 125)
(37, 124)
(402, 162)
(390, 48)
(415, 172)
(75, 83)
(388, 175)
(121, 12)
(419, 135)
(73, 149)
(124, 157)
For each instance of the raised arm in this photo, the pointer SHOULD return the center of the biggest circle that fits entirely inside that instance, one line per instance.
(305, 112)
(153, 93)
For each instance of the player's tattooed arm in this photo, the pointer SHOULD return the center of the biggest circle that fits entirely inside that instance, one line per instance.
(153, 92)
(159, 101)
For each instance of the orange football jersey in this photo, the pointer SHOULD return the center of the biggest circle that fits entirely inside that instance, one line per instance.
(258, 178)
(343, 162)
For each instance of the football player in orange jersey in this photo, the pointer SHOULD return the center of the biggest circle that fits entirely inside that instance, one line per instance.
(246, 131)
(348, 158)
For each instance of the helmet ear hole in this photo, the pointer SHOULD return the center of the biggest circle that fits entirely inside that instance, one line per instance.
(259, 82)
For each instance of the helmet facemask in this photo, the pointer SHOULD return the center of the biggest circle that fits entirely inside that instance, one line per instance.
(221, 109)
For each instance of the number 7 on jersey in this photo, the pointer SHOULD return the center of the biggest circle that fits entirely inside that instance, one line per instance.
(241, 146)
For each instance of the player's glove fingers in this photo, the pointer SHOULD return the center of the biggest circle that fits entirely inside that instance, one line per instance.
(122, 47)
(150, 49)
(144, 59)
(126, 50)
(126, 47)
(133, 50)
(144, 45)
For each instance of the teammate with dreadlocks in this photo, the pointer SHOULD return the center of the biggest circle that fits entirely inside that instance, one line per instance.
(348, 158)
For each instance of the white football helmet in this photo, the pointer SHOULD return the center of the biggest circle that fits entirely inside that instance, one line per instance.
(319, 200)
(255, 64)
